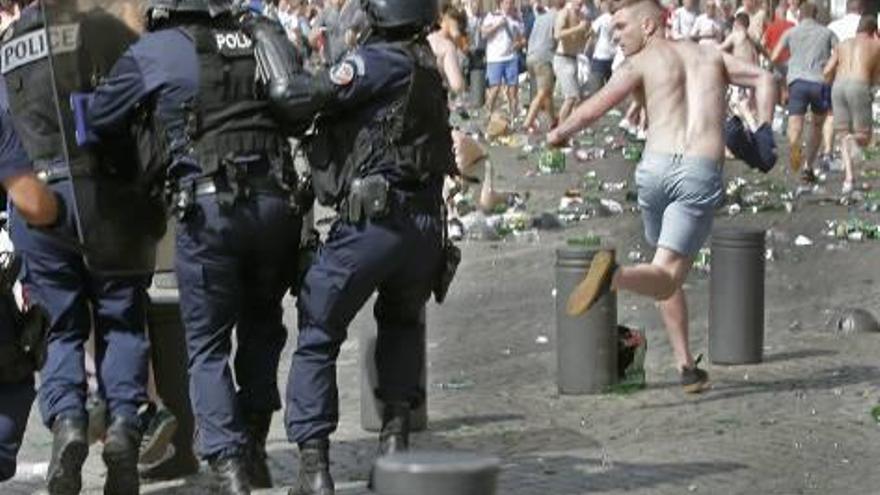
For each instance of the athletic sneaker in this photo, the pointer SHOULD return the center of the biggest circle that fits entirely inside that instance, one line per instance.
(808, 176)
(157, 437)
(587, 292)
(693, 379)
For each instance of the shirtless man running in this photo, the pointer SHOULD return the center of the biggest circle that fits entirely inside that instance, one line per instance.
(679, 179)
(854, 66)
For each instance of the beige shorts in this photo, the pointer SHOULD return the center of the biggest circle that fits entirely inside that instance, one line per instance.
(851, 101)
(542, 74)
(566, 70)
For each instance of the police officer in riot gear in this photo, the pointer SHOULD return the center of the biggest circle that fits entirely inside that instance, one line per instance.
(235, 193)
(18, 361)
(380, 149)
(44, 64)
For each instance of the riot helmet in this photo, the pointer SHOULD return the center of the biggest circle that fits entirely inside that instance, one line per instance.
(158, 10)
(413, 15)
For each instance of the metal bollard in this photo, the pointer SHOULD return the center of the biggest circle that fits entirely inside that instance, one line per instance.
(371, 406)
(436, 473)
(736, 291)
(478, 87)
(586, 346)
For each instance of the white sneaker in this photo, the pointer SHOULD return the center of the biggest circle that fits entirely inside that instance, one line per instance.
(847, 188)
(641, 135)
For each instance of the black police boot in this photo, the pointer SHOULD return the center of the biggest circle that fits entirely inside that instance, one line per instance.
(257, 430)
(69, 451)
(314, 469)
(394, 436)
(231, 474)
(121, 452)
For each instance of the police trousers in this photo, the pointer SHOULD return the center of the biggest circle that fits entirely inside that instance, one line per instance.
(234, 264)
(77, 302)
(15, 406)
(398, 256)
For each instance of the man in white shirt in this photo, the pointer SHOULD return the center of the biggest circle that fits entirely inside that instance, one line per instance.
(845, 28)
(707, 29)
(683, 20)
(504, 35)
(793, 12)
(605, 49)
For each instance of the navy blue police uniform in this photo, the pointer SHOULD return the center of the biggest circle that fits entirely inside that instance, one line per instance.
(230, 170)
(396, 253)
(16, 385)
(379, 147)
(55, 272)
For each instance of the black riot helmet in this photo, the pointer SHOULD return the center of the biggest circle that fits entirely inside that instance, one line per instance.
(157, 10)
(394, 15)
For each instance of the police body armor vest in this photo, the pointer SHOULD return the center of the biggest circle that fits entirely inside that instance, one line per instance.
(80, 59)
(410, 139)
(230, 117)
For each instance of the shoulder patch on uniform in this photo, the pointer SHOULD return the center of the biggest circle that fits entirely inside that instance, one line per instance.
(342, 74)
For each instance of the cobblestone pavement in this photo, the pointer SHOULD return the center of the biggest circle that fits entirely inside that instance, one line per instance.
(798, 423)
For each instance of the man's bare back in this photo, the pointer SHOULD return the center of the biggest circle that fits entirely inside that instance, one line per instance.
(859, 59)
(684, 88)
(741, 46)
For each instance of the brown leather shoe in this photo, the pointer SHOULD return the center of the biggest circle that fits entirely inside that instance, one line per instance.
(587, 292)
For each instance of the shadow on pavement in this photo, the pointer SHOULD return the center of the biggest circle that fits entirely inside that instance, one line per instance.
(801, 354)
(826, 379)
(575, 475)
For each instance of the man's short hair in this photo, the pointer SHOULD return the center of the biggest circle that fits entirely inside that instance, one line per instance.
(808, 10)
(619, 4)
(743, 19)
(867, 24)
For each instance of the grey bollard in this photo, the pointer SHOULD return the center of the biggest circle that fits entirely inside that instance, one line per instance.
(736, 292)
(371, 406)
(436, 473)
(586, 345)
(478, 87)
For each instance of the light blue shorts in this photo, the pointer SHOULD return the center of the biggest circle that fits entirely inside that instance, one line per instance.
(678, 196)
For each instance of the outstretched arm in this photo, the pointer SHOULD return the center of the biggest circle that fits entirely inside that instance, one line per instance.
(625, 79)
(742, 73)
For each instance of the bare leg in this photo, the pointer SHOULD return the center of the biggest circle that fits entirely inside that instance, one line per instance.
(566, 109)
(828, 135)
(491, 96)
(846, 150)
(539, 103)
(795, 133)
(513, 101)
(816, 138)
(675, 316)
(662, 280)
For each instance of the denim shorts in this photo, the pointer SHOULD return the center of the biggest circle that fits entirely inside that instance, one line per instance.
(506, 73)
(678, 196)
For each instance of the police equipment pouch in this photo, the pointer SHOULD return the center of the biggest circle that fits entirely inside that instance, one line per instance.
(450, 259)
(368, 199)
(25, 353)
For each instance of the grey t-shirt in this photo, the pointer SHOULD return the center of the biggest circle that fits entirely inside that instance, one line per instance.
(810, 44)
(541, 42)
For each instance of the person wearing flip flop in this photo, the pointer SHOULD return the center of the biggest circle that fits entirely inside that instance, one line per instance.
(679, 179)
